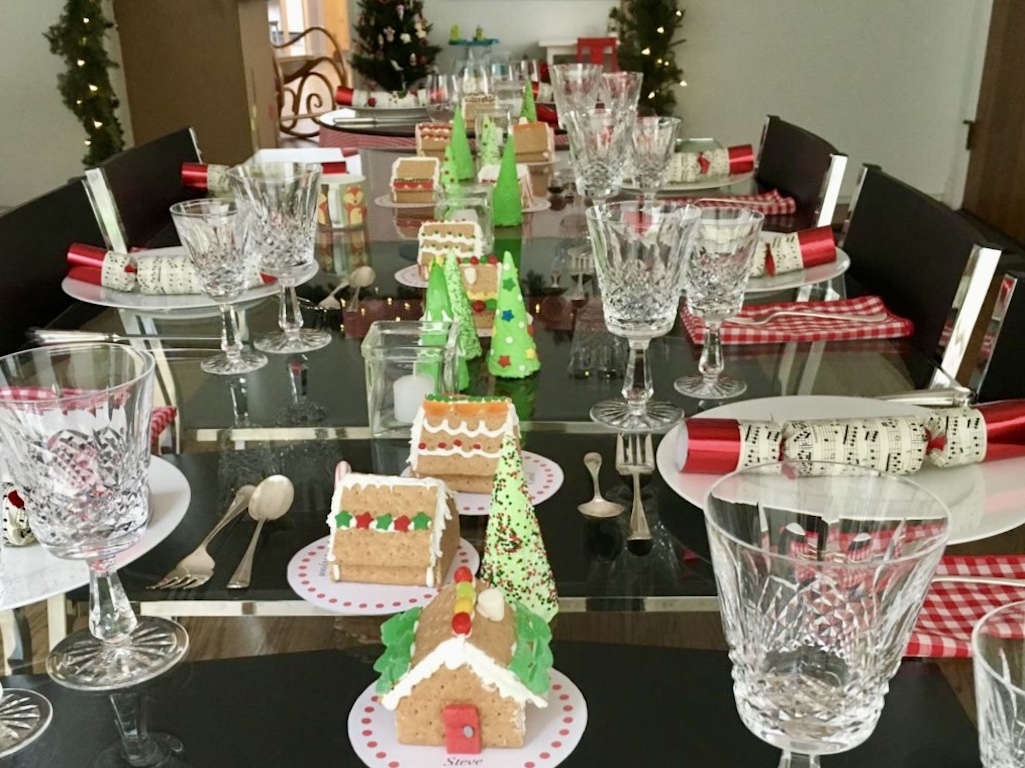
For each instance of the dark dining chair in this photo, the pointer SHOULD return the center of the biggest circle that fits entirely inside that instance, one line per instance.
(134, 190)
(599, 50)
(996, 372)
(34, 240)
(925, 262)
(803, 166)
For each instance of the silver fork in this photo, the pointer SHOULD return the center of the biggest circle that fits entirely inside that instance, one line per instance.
(876, 317)
(635, 457)
(197, 567)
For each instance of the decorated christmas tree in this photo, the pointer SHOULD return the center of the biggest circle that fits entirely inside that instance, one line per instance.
(391, 48)
(79, 39)
(487, 143)
(506, 204)
(469, 344)
(460, 144)
(513, 354)
(438, 308)
(514, 559)
(529, 109)
(647, 41)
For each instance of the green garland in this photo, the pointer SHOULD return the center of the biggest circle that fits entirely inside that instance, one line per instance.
(647, 37)
(78, 38)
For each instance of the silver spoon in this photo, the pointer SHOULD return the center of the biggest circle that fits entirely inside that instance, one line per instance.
(272, 498)
(598, 506)
(361, 277)
(329, 301)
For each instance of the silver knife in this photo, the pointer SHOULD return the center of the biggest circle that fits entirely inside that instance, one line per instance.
(44, 336)
(944, 397)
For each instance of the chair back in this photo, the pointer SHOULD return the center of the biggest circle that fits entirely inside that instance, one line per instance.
(803, 166)
(925, 261)
(598, 50)
(34, 240)
(134, 190)
(996, 373)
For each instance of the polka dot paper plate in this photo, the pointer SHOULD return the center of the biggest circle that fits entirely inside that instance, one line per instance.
(552, 735)
(544, 478)
(410, 277)
(307, 575)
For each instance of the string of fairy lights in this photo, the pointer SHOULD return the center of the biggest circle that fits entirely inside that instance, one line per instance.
(85, 87)
(647, 39)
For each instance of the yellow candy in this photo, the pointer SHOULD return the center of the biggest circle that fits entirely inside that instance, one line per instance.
(465, 590)
(463, 605)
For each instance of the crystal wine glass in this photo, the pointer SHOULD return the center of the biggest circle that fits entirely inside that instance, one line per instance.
(620, 90)
(442, 96)
(574, 86)
(652, 142)
(216, 237)
(599, 145)
(821, 572)
(75, 428)
(279, 201)
(639, 255)
(998, 650)
(716, 278)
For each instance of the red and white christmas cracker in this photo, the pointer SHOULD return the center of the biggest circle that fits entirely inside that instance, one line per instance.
(210, 178)
(689, 167)
(797, 250)
(361, 99)
(771, 203)
(895, 444)
(99, 266)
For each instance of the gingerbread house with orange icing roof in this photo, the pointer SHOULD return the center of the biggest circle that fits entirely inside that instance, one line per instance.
(458, 439)
(391, 530)
(461, 671)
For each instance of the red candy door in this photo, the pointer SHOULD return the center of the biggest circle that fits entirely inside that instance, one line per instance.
(462, 729)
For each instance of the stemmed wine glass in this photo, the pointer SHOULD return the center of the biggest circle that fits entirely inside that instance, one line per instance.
(998, 642)
(599, 144)
(639, 255)
(574, 86)
(279, 201)
(74, 425)
(653, 142)
(821, 572)
(715, 281)
(217, 239)
(620, 90)
(442, 97)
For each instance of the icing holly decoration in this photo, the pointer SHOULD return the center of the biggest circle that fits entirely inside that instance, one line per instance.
(448, 176)
(460, 144)
(513, 354)
(532, 657)
(438, 308)
(515, 560)
(506, 204)
(397, 634)
(469, 344)
(529, 109)
(487, 143)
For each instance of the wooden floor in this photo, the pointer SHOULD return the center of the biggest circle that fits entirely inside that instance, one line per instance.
(215, 638)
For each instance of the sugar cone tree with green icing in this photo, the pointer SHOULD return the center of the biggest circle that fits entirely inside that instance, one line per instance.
(506, 205)
(438, 308)
(460, 144)
(513, 354)
(448, 175)
(462, 311)
(529, 108)
(487, 143)
(515, 560)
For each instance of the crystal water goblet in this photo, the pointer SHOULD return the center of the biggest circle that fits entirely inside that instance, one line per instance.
(715, 281)
(473, 76)
(279, 201)
(216, 237)
(75, 430)
(998, 653)
(442, 97)
(526, 70)
(821, 572)
(620, 90)
(574, 86)
(652, 143)
(639, 256)
(599, 145)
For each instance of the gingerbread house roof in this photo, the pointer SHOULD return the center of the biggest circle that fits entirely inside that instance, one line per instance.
(411, 168)
(511, 654)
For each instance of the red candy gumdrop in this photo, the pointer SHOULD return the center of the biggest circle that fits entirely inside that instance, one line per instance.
(461, 623)
(463, 574)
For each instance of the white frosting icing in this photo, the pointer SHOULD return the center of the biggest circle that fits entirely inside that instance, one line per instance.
(458, 652)
(463, 429)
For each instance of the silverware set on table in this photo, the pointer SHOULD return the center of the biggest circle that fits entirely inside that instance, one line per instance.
(269, 500)
(635, 457)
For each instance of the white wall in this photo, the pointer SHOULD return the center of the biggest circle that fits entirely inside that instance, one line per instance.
(880, 79)
(41, 142)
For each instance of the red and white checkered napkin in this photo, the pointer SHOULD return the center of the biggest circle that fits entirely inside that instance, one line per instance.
(952, 609)
(796, 328)
(771, 203)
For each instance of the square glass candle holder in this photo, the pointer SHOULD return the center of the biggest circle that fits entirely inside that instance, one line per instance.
(471, 202)
(406, 361)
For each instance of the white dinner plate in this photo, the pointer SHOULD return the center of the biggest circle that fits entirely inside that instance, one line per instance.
(386, 202)
(31, 573)
(984, 499)
(399, 114)
(719, 182)
(147, 304)
(800, 277)
(410, 277)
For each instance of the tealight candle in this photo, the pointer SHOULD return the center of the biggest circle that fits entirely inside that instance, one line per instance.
(408, 393)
